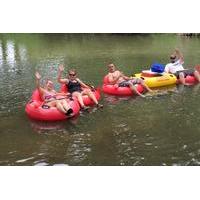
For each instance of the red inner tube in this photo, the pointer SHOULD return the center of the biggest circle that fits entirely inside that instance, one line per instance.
(35, 110)
(120, 91)
(189, 79)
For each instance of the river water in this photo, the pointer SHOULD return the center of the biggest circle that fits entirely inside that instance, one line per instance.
(162, 129)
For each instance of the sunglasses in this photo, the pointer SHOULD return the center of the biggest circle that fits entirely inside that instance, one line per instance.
(72, 74)
(172, 58)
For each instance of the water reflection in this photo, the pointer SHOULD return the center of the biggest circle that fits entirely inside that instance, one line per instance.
(46, 127)
(134, 141)
(23, 53)
(14, 76)
(113, 100)
(1, 54)
(79, 148)
(67, 147)
(10, 53)
(42, 127)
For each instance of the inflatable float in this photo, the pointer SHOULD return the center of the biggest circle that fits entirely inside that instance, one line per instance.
(86, 100)
(191, 80)
(36, 110)
(119, 91)
(153, 79)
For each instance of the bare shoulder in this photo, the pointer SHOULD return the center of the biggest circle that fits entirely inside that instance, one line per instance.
(77, 79)
(117, 72)
(65, 81)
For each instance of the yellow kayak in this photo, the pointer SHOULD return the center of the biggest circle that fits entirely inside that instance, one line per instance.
(158, 80)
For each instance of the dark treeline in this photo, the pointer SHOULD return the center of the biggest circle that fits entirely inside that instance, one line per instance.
(189, 34)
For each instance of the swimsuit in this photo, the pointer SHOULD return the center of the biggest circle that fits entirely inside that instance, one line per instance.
(74, 87)
(186, 72)
(126, 83)
(49, 98)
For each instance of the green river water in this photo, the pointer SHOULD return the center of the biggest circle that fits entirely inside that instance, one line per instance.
(162, 129)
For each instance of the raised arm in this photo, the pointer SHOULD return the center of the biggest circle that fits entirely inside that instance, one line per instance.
(38, 77)
(60, 71)
(179, 55)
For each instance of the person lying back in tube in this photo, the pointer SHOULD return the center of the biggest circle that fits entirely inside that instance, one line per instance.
(117, 77)
(75, 87)
(176, 67)
(52, 98)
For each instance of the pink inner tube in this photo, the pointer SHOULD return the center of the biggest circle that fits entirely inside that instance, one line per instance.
(86, 100)
(120, 91)
(35, 111)
(189, 79)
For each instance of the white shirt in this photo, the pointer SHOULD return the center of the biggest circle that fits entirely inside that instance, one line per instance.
(174, 67)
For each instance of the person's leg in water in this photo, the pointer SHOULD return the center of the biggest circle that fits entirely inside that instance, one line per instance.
(80, 100)
(197, 75)
(144, 85)
(134, 89)
(92, 96)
